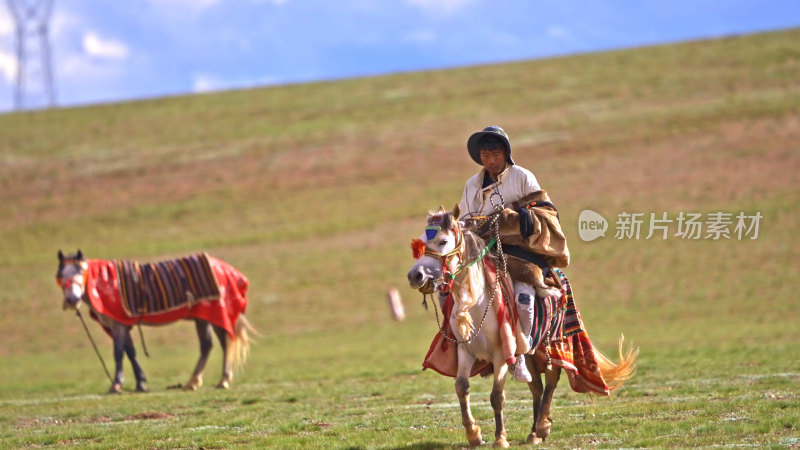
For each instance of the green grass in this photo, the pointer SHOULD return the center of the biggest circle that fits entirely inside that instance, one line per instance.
(314, 192)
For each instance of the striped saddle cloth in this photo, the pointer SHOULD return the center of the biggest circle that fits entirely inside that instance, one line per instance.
(153, 288)
(556, 318)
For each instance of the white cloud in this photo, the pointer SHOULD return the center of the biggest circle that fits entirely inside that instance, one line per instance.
(77, 67)
(6, 23)
(203, 82)
(440, 6)
(421, 37)
(98, 47)
(206, 83)
(183, 8)
(557, 32)
(8, 66)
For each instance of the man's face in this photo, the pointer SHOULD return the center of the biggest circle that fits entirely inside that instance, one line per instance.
(494, 161)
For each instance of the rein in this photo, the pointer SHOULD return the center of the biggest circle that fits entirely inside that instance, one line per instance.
(495, 240)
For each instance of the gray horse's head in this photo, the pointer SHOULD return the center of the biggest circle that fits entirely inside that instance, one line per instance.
(71, 278)
(438, 250)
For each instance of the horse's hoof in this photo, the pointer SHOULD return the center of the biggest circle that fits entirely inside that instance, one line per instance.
(142, 388)
(501, 442)
(115, 388)
(223, 385)
(193, 384)
(543, 430)
(533, 439)
(475, 439)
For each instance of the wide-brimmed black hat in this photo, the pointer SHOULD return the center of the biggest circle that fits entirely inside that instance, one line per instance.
(495, 131)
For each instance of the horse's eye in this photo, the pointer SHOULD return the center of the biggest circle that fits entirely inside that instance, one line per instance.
(443, 242)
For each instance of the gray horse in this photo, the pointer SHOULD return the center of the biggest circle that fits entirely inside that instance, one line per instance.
(451, 261)
(97, 282)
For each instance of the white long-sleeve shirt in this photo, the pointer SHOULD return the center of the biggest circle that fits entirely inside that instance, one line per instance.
(513, 183)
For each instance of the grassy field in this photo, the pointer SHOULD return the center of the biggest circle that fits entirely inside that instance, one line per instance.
(314, 192)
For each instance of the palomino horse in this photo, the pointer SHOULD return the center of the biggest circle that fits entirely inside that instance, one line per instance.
(454, 262)
(121, 294)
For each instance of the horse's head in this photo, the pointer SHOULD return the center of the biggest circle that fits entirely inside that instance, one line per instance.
(71, 278)
(438, 252)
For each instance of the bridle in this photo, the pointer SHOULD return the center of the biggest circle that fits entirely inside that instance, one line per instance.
(63, 283)
(446, 279)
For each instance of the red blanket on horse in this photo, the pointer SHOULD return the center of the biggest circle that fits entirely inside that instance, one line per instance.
(103, 287)
(570, 347)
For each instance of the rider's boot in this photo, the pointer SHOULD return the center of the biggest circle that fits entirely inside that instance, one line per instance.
(525, 311)
(521, 373)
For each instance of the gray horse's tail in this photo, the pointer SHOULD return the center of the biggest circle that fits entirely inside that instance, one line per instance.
(239, 347)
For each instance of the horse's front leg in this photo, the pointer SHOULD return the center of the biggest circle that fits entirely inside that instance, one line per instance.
(498, 400)
(206, 343)
(465, 361)
(537, 388)
(130, 350)
(119, 333)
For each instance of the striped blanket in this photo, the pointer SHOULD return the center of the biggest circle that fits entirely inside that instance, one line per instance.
(104, 288)
(570, 347)
(151, 288)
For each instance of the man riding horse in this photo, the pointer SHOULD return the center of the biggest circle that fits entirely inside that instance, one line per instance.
(504, 183)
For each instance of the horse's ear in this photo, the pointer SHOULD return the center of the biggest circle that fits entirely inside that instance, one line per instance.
(441, 209)
(456, 211)
(79, 256)
(60, 256)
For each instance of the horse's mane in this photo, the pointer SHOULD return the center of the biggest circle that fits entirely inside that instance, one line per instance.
(468, 288)
(473, 246)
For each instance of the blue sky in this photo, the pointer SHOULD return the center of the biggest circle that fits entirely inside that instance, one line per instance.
(107, 51)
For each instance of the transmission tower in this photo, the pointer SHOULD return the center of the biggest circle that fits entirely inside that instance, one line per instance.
(31, 18)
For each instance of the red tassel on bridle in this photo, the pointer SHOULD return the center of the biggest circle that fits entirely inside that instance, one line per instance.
(418, 247)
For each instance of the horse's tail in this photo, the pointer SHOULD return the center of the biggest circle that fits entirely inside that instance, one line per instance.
(239, 346)
(617, 374)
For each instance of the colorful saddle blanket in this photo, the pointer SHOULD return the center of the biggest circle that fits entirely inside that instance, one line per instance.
(570, 347)
(556, 318)
(152, 288)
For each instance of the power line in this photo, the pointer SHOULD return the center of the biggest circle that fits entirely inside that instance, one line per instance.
(31, 19)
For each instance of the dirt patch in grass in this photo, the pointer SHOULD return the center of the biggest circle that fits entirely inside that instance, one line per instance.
(154, 415)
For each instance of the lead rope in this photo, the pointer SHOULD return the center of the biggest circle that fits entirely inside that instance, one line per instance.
(78, 312)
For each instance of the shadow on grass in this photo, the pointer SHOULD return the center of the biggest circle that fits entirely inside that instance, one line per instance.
(419, 446)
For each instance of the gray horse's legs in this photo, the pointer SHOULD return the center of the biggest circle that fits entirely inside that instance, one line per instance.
(472, 429)
(206, 343)
(123, 345)
(498, 400)
(119, 333)
(227, 364)
(130, 350)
